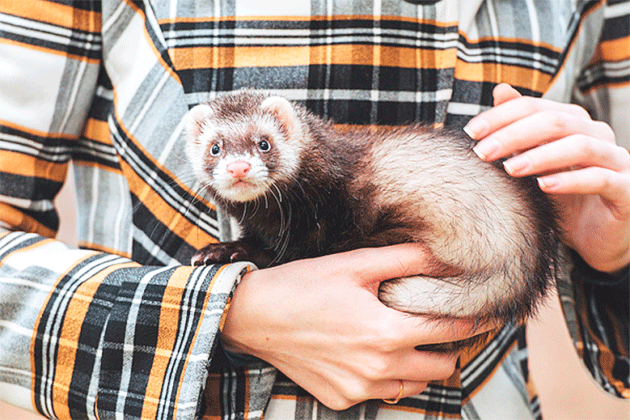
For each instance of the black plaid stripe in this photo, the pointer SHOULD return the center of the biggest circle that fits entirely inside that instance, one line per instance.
(50, 36)
(604, 73)
(54, 150)
(123, 383)
(394, 88)
(483, 364)
(49, 329)
(164, 187)
(115, 350)
(345, 93)
(37, 192)
(12, 242)
(438, 401)
(97, 152)
(604, 331)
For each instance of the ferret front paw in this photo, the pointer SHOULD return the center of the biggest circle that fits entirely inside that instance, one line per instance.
(221, 253)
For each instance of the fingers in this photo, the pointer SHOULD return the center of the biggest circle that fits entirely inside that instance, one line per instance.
(554, 140)
(320, 322)
(610, 185)
(503, 93)
(570, 152)
(414, 365)
(378, 378)
(435, 333)
(514, 110)
(537, 129)
(386, 390)
(373, 374)
(379, 363)
(375, 265)
(368, 383)
(403, 388)
(406, 389)
(397, 328)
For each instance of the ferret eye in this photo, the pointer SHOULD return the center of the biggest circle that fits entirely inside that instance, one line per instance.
(264, 146)
(215, 150)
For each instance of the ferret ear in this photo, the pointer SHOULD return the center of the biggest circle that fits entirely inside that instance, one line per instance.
(195, 119)
(283, 111)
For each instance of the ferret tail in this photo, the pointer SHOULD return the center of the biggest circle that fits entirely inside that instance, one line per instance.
(493, 296)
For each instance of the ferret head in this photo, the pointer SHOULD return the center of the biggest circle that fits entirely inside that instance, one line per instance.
(242, 143)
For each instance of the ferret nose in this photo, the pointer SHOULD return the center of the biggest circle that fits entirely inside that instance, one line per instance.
(238, 169)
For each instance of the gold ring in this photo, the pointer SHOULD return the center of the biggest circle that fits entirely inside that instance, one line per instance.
(399, 396)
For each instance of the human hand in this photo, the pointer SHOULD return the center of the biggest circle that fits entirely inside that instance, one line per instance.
(319, 321)
(576, 160)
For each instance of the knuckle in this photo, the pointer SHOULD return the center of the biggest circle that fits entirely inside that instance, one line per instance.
(385, 339)
(343, 394)
(605, 180)
(337, 404)
(605, 131)
(354, 392)
(624, 157)
(579, 111)
(376, 369)
(556, 119)
(445, 368)
(584, 146)
(530, 104)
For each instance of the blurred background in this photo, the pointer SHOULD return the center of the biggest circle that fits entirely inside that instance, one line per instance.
(566, 389)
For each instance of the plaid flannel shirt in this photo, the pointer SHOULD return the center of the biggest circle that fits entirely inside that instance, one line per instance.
(123, 326)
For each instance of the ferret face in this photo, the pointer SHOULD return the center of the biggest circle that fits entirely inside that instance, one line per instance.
(238, 155)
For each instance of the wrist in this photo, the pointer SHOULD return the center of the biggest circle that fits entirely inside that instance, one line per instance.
(237, 316)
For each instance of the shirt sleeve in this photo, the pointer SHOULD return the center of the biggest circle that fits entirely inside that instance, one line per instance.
(83, 333)
(603, 87)
(600, 301)
(50, 58)
(93, 334)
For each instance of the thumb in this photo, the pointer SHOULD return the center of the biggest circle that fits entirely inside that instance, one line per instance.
(375, 265)
(503, 93)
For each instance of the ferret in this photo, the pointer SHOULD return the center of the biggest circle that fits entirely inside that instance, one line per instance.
(301, 187)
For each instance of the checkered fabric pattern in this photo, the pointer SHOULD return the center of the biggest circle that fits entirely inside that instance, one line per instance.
(113, 336)
(122, 327)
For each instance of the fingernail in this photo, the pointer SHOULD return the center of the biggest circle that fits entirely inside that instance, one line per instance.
(486, 149)
(548, 182)
(477, 128)
(516, 165)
